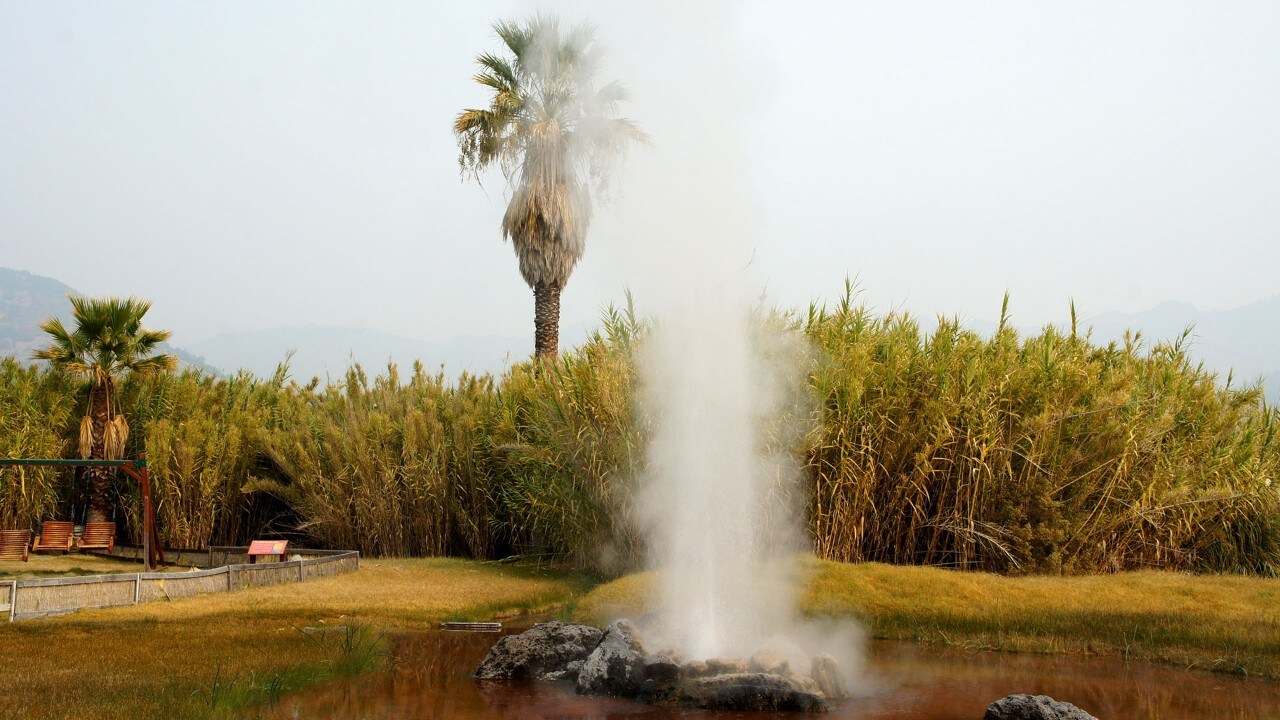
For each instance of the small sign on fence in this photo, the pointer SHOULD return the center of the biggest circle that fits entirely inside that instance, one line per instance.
(259, 548)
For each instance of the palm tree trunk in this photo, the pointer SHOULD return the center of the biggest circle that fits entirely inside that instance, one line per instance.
(99, 478)
(546, 320)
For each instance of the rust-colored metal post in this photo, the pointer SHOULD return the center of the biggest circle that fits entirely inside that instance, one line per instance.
(151, 545)
(152, 554)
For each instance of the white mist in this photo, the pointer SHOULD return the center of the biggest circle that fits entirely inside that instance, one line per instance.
(722, 399)
(717, 504)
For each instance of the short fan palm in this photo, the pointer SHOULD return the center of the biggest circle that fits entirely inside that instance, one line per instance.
(553, 132)
(108, 341)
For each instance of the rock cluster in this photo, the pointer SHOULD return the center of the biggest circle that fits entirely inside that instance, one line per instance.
(616, 662)
(1034, 707)
(545, 652)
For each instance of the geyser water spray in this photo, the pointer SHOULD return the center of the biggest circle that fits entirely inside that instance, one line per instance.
(718, 499)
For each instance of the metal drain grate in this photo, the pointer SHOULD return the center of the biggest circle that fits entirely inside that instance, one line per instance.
(471, 626)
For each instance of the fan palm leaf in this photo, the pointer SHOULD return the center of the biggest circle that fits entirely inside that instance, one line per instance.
(553, 132)
(107, 341)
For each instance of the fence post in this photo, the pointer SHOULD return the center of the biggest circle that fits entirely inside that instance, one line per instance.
(13, 599)
(137, 588)
(230, 584)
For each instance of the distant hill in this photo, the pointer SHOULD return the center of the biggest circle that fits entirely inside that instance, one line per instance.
(326, 351)
(27, 299)
(1245, 339)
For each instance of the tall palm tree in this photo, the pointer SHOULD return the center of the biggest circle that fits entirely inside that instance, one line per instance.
(108, 341)
(553, 132)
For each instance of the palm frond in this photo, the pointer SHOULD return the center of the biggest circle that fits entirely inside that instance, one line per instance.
(154, 364)
(552, 129)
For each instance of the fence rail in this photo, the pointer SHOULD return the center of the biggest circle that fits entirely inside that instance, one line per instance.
(31, 598)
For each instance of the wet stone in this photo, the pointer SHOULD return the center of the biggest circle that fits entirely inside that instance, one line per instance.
(661, 669)
(826, 674)
(616, 665)
(807, 684)
(541, 652)
(726, 666)
(1034, 707)
(695, 669)
(769, 661)
(747, 691)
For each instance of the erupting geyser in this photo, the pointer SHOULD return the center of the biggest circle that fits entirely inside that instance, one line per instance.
(717, 501)
(722, 398)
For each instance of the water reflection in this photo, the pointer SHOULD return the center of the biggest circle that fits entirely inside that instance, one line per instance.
(432, 679)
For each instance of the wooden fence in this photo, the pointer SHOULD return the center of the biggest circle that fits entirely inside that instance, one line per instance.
(32, 598)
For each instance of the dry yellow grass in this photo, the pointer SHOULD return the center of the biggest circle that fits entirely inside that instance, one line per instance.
(195, 657)
(1225, 623)
(48, 565)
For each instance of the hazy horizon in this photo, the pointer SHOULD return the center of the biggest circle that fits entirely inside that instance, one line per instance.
(249, 166)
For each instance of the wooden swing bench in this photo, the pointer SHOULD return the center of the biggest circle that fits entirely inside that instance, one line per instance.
(55, 535)
(14, 544)
(98, 536)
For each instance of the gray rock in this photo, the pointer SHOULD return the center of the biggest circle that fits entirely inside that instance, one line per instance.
(806, 684)
(825, 671)
(695, 669)
(771, 662)
(726, 666)
(616, 666)
(746, 691)
(661, 669)
(539, 652)
(1034, 707)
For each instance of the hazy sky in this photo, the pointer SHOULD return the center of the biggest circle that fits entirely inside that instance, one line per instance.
(250, 164)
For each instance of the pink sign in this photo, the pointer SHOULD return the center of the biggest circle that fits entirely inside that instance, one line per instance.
(268, 547)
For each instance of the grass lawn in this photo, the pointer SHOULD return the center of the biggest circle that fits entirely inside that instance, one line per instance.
(205, 656)
(1223, 623)
(201, 656)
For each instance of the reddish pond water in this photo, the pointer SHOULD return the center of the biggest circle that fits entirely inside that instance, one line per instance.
(432, 679)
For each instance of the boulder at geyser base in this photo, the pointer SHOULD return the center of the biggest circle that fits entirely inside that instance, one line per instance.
(616, 666)
(543, 652)
(741, 691)
(1034, 707)
(825, 671)
(615, 663)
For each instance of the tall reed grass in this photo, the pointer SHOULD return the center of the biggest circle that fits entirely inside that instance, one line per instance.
(202, 436)
(567, 447)
(1047, 453)
(36, 407)
(1044, 453)
(387, 467)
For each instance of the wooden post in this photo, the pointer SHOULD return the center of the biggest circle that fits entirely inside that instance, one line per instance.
(152, 554)
(149, 514)
(13, 599)
(146, 519)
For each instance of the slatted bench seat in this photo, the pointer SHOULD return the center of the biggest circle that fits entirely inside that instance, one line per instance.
(98, 536)
(54, 535)
(14, 543)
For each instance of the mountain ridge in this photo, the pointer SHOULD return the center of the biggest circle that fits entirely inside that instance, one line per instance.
(27, 300)
(1244, 340)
